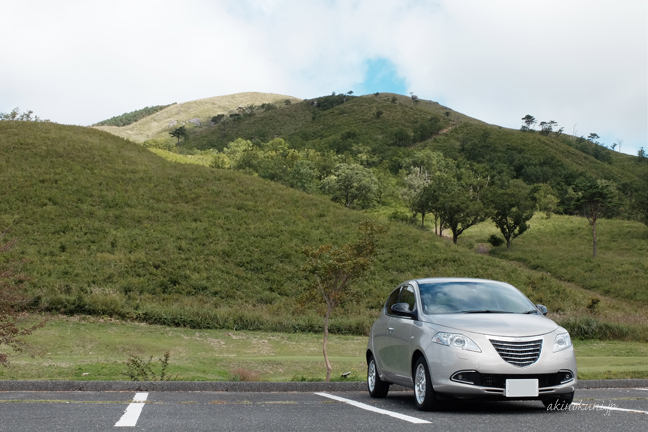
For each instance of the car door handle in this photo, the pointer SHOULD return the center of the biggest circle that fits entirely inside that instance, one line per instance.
(391, 329)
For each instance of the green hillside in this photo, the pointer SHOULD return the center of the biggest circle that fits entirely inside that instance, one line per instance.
(131, 117)
(562, 246)
(533, 157)
(385, 131)
(112, 229)
(335, 123)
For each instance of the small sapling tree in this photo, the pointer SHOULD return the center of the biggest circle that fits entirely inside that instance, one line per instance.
(596, 199)
(333, 269)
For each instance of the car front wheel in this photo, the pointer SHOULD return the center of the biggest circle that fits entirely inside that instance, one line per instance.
(377, 387)
(423, 390)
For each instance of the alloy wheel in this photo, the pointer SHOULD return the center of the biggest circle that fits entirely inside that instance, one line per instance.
(371, 376)
(420, 384)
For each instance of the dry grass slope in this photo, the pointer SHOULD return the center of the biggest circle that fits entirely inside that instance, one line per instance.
(157, 125)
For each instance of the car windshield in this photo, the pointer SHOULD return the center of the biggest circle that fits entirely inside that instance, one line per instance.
(472, 297)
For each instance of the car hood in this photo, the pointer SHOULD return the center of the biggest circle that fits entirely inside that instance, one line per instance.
(496, 324)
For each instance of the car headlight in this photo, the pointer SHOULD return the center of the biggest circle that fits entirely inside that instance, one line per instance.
(455, 340)
(562, 341)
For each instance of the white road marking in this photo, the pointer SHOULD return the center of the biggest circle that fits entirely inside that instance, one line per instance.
(374, 409)
(133, 411)
(610, 408)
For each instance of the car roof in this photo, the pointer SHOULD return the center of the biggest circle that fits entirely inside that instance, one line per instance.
(452, 279)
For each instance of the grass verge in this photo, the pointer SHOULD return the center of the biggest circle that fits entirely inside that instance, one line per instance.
(91, 348)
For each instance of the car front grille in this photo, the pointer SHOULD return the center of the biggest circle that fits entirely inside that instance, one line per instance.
(499, 380)
(518, 353)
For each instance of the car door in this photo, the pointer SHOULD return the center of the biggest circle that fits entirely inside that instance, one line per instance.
(400, 328)
(381, 335)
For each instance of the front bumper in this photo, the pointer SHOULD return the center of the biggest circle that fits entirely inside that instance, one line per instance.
(484, 374)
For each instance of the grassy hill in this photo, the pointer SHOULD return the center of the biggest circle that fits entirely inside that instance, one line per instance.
(351, 125)
(157, 125)
(112, 229)
(562, 246)
(533, 157)
(333, 122)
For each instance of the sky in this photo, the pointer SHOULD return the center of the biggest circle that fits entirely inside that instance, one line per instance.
(581, 63)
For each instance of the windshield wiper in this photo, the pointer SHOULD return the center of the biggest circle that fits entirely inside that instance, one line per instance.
(485, 311)
(534, 311)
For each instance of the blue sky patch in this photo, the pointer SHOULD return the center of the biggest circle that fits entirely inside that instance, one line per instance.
(381, 76)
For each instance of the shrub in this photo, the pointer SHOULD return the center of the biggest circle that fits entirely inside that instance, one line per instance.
(138, 369)
(590, 328)
(242, 374)
(495, 241)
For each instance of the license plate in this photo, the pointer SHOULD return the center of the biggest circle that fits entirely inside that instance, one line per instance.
(521, 388)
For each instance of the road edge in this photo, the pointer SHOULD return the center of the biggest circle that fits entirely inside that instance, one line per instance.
(257, 387)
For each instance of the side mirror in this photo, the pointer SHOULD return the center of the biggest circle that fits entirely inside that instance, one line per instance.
(402, 309)
(542, 309)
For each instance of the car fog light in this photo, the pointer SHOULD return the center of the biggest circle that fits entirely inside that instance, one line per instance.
(465, 377)
(565, 376)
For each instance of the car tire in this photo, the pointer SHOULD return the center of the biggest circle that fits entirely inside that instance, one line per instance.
(377, 387)
(424, 393)
(560, 404)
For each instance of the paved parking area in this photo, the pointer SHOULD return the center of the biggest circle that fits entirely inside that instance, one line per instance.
(595, 410)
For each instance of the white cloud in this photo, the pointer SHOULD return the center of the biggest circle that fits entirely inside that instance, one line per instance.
(573, 61)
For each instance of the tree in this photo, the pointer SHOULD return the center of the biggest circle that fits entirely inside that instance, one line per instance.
(415, 182)
(430, 198)
(13, 324)
(401, 138)
(16, 115)
(593, 137)
(460, 206)
(425, 183)
(641, 205)
(236, 152)
(335, 268)
(512, 209)
(545, 198)
(641, 154)
(350, 184)
(217, 118)
(302, 175)
(180, 132)
(596, 199)
(618, 143)
(547, 127)
(529, 121)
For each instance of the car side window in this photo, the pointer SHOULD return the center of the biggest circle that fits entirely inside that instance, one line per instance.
(408, 296)
(392, 300)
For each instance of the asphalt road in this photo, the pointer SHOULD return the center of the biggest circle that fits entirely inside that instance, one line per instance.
(618, 409)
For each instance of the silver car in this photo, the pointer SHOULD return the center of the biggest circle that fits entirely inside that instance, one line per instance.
(469, 338)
